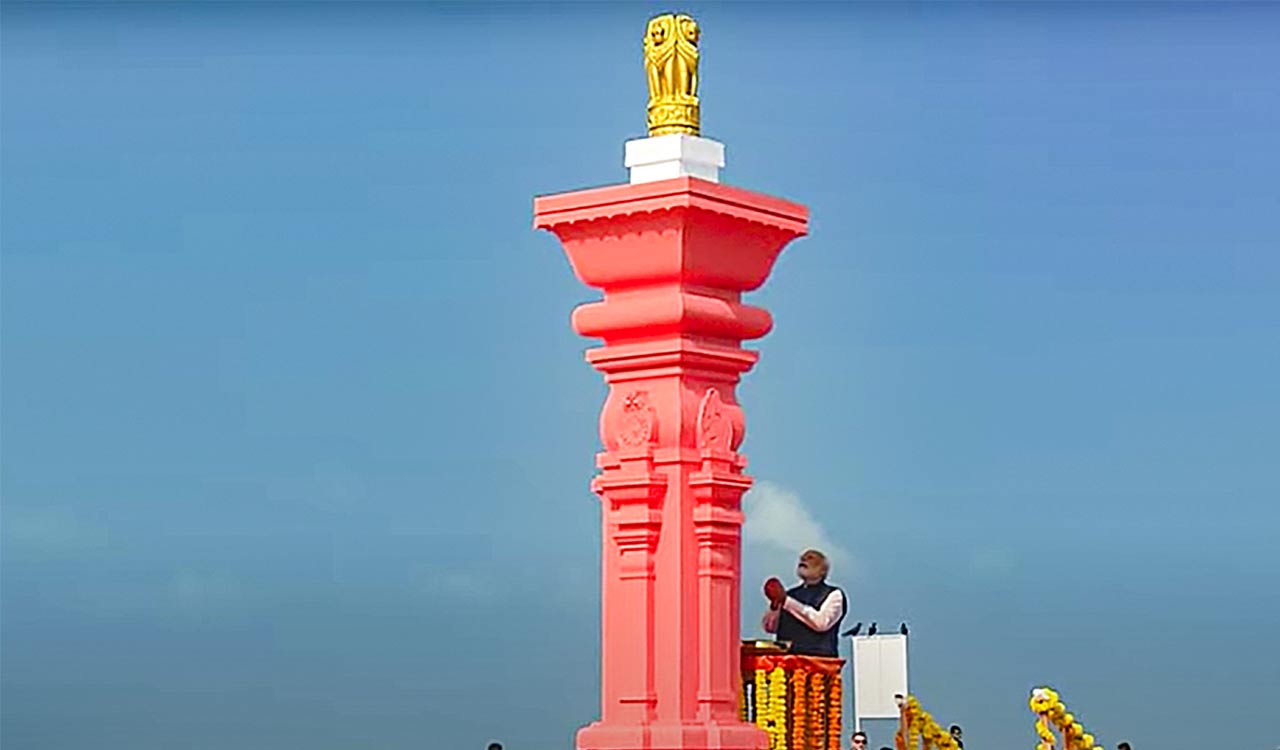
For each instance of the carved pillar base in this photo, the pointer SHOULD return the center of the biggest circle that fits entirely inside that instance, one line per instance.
(672, 258)
(695, 736)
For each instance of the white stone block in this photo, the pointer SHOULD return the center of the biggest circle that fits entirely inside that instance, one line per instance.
(676, 155)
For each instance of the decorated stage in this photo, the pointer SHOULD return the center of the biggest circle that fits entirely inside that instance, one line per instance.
(797, 700)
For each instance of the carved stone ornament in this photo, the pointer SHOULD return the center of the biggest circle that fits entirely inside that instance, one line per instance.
(637, 426)
(715, 428)
(671, 64)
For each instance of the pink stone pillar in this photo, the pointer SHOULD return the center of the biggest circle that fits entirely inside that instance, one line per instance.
(672, 258)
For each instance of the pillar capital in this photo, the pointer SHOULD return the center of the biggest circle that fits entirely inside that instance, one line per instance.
(700, 234)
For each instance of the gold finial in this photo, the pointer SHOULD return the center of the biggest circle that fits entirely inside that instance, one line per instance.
(671, 60)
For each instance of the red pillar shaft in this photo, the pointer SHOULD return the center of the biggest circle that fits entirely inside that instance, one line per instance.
(672, 259)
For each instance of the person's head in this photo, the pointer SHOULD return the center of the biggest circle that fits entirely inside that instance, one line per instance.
(859, 741)
(495, 746)
(1123, 746)
(956, 731)
(813, 566)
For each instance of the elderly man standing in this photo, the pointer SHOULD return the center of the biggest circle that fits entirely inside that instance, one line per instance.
(809, 615)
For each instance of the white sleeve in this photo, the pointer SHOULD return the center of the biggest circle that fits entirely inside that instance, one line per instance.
(822, 619)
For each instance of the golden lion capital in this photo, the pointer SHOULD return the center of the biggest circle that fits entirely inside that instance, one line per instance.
(671, 62)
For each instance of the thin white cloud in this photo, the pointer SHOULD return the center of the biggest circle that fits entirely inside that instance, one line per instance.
(779, 527)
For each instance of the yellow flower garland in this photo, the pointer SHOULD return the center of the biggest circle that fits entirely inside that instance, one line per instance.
(778, 708)
(1046, 735)
(762, 700)
(1045, 702)
(771, 705)
(921, 726)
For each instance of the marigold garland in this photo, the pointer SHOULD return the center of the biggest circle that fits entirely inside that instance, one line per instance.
(799, 705)
(778, 707)
(835, 706)
(922, 731)
(902, 738)
(817, 708)
(762, 699)
(1045, 702)
(1046, 735)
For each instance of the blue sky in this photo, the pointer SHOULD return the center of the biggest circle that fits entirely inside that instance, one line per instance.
(296, 435)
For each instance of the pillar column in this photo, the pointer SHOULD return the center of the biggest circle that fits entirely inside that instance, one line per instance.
(672, 258)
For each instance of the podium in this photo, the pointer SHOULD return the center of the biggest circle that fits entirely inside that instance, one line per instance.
(795, 699)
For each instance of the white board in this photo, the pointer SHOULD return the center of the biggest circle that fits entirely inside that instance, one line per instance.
(879, 673)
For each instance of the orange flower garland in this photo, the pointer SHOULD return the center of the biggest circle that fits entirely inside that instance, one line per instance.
(798, 704)
(835, 705)
(817, 709)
